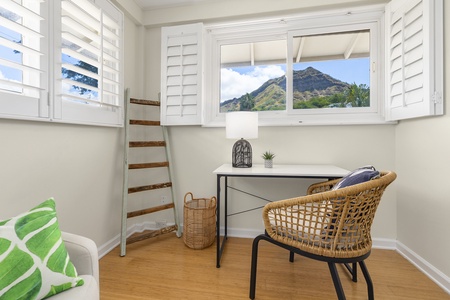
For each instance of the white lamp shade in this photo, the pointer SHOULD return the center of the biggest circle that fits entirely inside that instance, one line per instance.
(242, 124)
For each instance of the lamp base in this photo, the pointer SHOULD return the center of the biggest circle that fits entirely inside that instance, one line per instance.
(242, 154)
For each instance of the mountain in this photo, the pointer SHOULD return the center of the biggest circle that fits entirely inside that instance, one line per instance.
(307, 84)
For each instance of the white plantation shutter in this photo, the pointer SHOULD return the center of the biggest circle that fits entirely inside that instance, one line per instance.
(23, 61)
(90, 89)
(181, 75)
(414, 78)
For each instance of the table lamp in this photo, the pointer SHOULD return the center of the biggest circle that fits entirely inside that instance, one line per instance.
(242, 125)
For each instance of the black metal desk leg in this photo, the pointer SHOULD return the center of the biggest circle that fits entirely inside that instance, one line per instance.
(226, 209)
(218, 223)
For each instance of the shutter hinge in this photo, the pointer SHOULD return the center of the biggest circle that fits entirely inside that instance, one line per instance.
(436, 98)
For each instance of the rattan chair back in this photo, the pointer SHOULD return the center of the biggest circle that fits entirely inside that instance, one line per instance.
(326, 222)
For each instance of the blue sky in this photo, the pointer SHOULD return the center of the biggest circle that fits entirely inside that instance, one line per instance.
(235, 82)
(356, 70)
(9, 54)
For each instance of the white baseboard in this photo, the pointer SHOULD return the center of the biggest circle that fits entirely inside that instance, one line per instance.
(432, 272)
(115, 241)
(429, 270)
(386, 244)
(242, 233)
(108, 246)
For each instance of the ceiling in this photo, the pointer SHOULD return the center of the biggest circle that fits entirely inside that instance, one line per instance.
(157, 4)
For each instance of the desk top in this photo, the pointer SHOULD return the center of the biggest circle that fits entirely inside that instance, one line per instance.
(307, 171)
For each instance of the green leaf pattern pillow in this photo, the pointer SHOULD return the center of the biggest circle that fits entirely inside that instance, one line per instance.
(34, 263)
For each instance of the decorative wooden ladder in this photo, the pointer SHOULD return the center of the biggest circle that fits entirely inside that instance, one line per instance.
(129, 124)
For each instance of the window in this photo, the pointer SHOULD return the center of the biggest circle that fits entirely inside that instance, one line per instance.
(330, 69)
(253, 76)
(83, 83)
(325, 68)
(23, 68)
(302, 70)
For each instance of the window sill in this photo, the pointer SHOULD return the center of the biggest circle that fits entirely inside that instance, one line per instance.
(317, 120)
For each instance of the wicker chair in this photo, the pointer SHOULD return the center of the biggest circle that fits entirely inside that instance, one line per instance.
(326, 225)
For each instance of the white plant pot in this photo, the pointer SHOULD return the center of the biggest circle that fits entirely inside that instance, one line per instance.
(268, 163)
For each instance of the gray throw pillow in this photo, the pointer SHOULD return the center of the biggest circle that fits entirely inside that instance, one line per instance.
(359, 175)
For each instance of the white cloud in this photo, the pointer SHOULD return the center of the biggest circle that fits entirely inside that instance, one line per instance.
(234, 84)
(7, 87)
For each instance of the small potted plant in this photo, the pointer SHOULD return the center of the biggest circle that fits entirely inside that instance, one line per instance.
(268, 159)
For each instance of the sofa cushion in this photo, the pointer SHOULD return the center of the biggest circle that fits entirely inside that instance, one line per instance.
(34, 263)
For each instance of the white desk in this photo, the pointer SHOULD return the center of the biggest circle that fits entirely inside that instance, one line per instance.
(278, 171)
(295, 171)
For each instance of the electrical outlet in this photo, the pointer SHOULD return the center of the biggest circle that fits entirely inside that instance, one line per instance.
(164, 200)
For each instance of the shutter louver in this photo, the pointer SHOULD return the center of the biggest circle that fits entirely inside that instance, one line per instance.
(413, 77)
(181, 82)
(23, 71)
(80, 26)
(91, 48)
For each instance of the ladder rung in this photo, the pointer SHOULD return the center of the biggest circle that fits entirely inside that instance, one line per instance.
(149, 165)
(147, 235)
(144, 102)
(150, 210)
(149, 187)
(148, 144)
(145, 122)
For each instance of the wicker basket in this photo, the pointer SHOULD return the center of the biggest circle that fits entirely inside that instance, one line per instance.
(199, 221)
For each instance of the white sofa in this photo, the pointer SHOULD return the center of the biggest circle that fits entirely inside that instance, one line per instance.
(84, 255)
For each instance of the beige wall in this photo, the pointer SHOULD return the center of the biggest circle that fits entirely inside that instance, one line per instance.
(197, 151)
(78, 165)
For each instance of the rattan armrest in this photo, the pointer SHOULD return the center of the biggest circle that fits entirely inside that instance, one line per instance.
(296, 220)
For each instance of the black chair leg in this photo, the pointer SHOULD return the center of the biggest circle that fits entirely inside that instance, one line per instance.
(336, 281)
(253, 266)
(353, 270)
(368, 280)
(291, 256)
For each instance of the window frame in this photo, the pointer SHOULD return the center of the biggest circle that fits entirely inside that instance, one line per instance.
(51, 107)
(371, 18)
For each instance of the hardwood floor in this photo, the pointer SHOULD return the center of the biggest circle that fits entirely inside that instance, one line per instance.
(164, 268)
